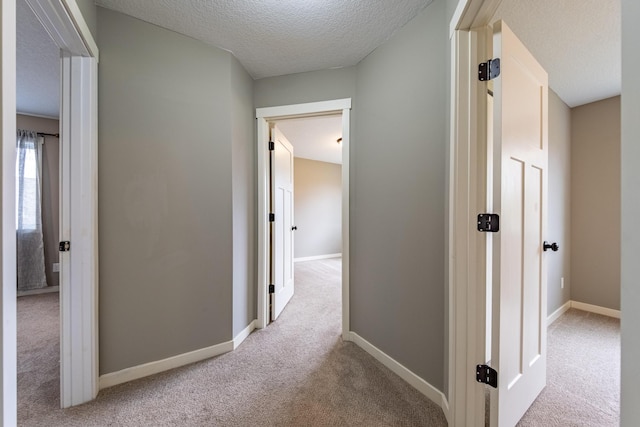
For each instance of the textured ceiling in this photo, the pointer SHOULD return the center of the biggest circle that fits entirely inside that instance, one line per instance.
(277, 37)
(38, 66)
(576, 41)
(314, 137)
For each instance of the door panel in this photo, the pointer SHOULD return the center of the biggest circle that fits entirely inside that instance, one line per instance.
(520, 192)
(282, 260)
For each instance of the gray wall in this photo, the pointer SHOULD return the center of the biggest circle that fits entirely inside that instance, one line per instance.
(165, 192)
(244, 168)
(630, 396)
(50, 190)
(595, 203)
(305, 87)
(398, 189)
(317, 207)
(559, 222)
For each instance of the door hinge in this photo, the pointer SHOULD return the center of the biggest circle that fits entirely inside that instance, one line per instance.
(489, 70)
(272, 289)
(272, 217)
(487, 375)
(488, 222)
(64, 246)
(272, 146)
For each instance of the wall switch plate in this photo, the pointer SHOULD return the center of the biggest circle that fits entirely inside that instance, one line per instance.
(562, 283)
(56, 267)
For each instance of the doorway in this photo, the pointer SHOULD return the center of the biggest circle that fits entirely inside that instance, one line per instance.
(78, 269)
(268, 115)
(38, 224)
(316, 231)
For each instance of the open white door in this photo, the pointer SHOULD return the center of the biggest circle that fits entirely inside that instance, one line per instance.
(520, 198)
(281, 227)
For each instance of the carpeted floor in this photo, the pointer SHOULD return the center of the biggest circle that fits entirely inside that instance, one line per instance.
(297, 372)
(583, 374)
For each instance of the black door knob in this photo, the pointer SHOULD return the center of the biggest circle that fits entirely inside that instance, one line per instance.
(294, 228)
(553, 246)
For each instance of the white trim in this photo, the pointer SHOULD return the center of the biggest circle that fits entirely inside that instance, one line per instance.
(8, 358)
(316, 257)
(47, 290)
(79, 266)
(239, 339)
(559, 312)
(346, 162)
(40, 116)
(312, 108)
(63, 21)
(595, 309)
(432, 393)
(83, 29)
(263, 115)
(151, 368)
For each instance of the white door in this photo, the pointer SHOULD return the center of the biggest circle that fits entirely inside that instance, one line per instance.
(520, 198)
(281, 227)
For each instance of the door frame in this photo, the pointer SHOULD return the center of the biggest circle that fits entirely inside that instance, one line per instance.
(263, 117)
(469, 40)
(78, 204)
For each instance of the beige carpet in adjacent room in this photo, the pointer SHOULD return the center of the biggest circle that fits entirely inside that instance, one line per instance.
(583, 374)
(297, 372)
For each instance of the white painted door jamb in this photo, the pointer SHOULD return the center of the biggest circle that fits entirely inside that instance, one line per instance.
(8, 362)
(263, 116)
(467, 308)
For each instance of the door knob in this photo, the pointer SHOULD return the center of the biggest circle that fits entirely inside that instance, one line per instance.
(553, 246)
(294, 228)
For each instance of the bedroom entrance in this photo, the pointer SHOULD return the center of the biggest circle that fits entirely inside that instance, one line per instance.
(311, 227)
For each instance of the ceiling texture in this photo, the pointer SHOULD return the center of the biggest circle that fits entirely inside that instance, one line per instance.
(38, 66)
(277, 37)
(576, 41)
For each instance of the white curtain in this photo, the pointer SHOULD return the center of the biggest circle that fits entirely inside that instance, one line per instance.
(30, 244)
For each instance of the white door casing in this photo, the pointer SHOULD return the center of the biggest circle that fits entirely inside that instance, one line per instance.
(520, 198)
(281, 227)
(263, 116)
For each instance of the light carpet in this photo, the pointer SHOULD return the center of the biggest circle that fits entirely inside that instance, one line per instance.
(583, 373)
(296, 372)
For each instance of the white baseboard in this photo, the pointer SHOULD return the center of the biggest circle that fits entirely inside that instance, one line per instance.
(559, 312)
(584, 307)
(244, 334)
(396, 367)
(151, 368)
(47, 290)
(317, 257)
(596, 309)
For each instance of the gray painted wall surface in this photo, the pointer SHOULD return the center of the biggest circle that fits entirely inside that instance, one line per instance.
(630, 396)
(305, 87)
(317, 207)
(50, 190)
(244, 168)
(595, 203)
(89, 12)
(165, 194)
(559, 220)
(397, 187)
(398, 197)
